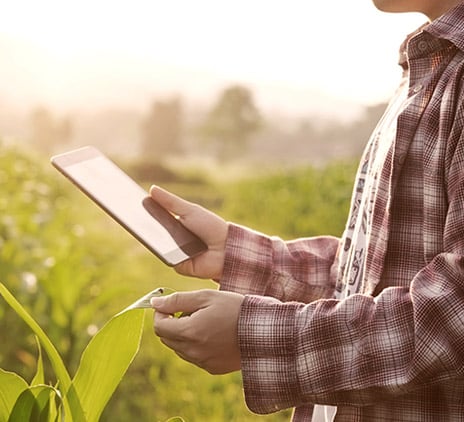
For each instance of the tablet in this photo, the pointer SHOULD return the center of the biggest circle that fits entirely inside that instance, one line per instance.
(129, 204)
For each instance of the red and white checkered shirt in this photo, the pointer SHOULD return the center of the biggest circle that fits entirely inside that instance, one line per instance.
(392, 349)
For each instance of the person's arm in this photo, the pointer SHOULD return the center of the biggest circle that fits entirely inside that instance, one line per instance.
(363, 349)
(356, 351)
(242, 261)
(246, 261)
(301, 270)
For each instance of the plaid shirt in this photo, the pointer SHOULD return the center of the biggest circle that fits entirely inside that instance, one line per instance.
(394, 351)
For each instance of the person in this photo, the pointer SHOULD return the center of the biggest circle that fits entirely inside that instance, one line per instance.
(368, 327)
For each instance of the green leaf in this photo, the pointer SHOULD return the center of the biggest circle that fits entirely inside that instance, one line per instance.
(55, 358)
(72, 405)
(36, 404)
(11, 387)
(105, 361)
(103, 364)
(39, 377)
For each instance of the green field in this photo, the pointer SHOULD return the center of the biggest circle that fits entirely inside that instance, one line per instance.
(73, 269)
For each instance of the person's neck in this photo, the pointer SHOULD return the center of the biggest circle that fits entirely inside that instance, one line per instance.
(441, 8)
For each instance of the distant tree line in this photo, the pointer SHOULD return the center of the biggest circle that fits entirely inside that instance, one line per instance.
(225, 131)
(230, 129)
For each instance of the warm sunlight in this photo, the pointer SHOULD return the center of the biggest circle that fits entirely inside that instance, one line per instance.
(75, 52)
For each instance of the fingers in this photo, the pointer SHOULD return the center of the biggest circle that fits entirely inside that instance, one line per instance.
(169, 201)
(188, 302)
(170, 336)
(168, 328)
(208, 337)
(196, 218)
(176, 333)
(207, 225)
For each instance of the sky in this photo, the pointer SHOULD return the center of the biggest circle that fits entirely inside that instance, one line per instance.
(292, 53)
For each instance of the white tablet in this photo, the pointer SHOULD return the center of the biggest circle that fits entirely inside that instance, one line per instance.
(129, 204)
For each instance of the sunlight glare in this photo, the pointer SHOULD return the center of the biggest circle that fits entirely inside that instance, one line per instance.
(294, 43)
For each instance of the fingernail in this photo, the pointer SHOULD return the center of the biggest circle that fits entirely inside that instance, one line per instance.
(156, 301)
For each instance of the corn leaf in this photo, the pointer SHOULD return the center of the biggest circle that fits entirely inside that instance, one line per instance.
(37, 403)
(105, 361)
(103, 365)
(72, 406)
(39, 377)
(11, 387)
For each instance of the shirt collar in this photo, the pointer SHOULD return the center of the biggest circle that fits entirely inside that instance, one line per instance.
(449, 26)
(439, 33)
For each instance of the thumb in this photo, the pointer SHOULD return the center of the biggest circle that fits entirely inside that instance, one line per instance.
(186, 302)
(169, 201)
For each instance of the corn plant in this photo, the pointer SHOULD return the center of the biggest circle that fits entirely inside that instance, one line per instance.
(83, 397)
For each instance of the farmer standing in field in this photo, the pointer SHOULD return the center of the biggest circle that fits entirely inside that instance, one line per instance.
(368, 327)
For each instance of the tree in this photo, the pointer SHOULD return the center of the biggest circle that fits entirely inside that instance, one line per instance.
(162, 129)
(231, 122)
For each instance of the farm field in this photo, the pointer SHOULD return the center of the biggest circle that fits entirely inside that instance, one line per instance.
(73, 268)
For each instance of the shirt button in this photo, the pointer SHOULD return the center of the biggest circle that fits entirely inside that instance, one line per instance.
(417, 88)
(422, 46)
(400, 159)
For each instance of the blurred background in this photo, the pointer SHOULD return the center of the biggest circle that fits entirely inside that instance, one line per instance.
(122, 75)
(256, 109)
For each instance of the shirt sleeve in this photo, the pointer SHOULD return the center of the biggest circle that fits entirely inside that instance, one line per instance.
(301, 269)
(358, 350)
